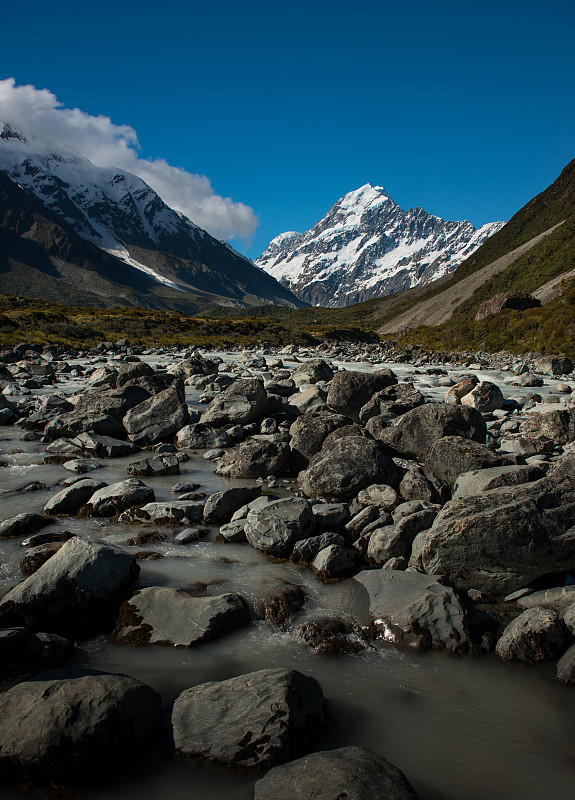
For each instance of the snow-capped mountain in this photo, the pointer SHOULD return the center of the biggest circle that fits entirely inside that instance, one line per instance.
(120, 214)
(367, 246)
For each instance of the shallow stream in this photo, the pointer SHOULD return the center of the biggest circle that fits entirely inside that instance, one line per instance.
(461, 728)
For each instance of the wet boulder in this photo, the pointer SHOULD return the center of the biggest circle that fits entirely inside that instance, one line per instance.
(451, 456)
(64, 725)
(23, 652)
(200, 436)
(255, 720)
(538, 634)
(23, 524)
(160, 615)
(350, 391)
(503, 539)
(349, 465)
(277, 526)
(414, 610)
(167, 464)
(172, 512)
(70, 499)
(158, 418)
(117, 497)
(220, 506)
(240, 404)
(75, 593)
(104, 446)
(414, 433)
(361, 774)
(254, 458)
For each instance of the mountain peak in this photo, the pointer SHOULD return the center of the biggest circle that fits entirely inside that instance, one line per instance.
(8, 132)
(367, 246)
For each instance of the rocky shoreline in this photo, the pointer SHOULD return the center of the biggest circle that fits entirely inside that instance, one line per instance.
(445, 501)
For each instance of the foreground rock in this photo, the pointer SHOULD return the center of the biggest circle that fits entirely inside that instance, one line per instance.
(256, 458)
(350, 391)
(75, 593)
(158, 418)
(255, 720)
(65, 725)
(23, 652)
(538, 634)
(414, 610)
(70, 499)
(159, 615)
(353, 773)
(117, 497)
(503, 539)
(22, 524)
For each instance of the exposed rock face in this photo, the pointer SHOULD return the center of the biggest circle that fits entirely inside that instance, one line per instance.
(451, 456)
(537, 634)
(347, 466)
(365, 776)
(159, 615)
(157, 419)
(240, 404)
(74, 592)
(414, 610)
(255, 458)
(276, 527)
(504, 300)
(64, 725)
(367, 246)
(502, 539)
(350, 391)
(414, 434)
(255, 720)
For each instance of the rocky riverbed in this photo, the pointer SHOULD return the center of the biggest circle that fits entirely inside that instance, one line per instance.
(223, 566)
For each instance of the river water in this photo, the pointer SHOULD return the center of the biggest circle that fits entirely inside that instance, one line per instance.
(461, 728)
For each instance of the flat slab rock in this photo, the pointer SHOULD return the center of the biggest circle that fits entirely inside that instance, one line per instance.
(66, 724)
(414, 609)
(173, 512)
(159, 615)
(256, 720)
(353, 773)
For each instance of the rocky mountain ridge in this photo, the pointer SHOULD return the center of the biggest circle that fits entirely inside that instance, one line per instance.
(128, 221)
(367, 246)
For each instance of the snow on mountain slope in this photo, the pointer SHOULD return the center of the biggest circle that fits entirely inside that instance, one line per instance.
(367, 246)
(126, 218)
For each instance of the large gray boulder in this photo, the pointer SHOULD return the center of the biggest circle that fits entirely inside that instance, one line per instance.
(157, 419)
(308, 434)
(24, 653)
(477, 481)
(312, 371)
(75, 593)
(353, 773)
(485, 397)
(254, 458)
(395, 541)
(200, 436)
(392, 401)
(113, 499)
(220, 506)
(451, 456)
(69, 500)
(538, 634)
(171, 512)
(350, 464)
(240, 404)
(411, 609)
(276, 527)
(414, 433)
(503, 539)
(160, 615)
(350, 391)
(558, 426)
(258, 720)
(132, 370)
(66, 725)
(104, 446)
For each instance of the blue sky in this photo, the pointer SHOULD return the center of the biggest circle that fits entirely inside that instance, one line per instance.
(465, 109)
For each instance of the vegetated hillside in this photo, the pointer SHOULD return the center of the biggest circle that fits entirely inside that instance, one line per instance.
(549, 208)
(43, 322)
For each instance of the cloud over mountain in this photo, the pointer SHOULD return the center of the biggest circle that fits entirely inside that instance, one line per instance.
(40, 116)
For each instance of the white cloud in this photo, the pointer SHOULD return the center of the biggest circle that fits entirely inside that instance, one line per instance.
(39, 115)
